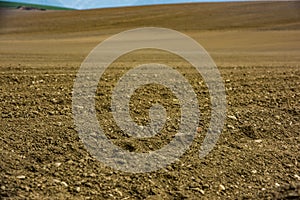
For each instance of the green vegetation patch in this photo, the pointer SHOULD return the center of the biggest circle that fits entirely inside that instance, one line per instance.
(6, 4)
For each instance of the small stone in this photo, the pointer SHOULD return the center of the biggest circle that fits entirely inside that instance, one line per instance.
(61, 182)
(258, 141)
(64, 184)
(254, 171)
(297, 177)
(227, 81)
(51, 113)
(232, 117)
(230, 126)
(21, 177)
(3, 187)
(70, 162)
(198, 190)
(199, 129)
(54, 101)
(56, 181)
(277, 184)
(77, 189)
(119, 192)
(263, 189)
(176, 101)
(57, 164)
(222, 187)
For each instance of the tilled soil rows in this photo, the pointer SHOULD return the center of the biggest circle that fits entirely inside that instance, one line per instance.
(42, 156)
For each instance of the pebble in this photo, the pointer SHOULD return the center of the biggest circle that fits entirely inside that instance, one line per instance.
(230, 126)
(56, 181)
(258, 141)
(277, 184)
(61, 182)
(70, 162)
(222, 187)
(53, 100)
(51, 112)
(254, 171)
(77, 189)
(176, 101)
(119, 192)
(21, 177)
(57, 164)
(298, 177)
(198, 190)
(232, 117)
(3, 187)
(64, 184)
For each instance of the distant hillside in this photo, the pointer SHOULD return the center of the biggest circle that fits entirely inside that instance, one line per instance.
(5, 4)
(183, 17)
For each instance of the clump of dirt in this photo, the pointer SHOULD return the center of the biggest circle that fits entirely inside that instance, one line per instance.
(288, 192)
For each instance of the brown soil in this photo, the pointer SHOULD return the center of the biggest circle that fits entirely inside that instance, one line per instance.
(256, 47)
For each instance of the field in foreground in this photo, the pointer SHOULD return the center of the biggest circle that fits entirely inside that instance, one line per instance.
(256, 47)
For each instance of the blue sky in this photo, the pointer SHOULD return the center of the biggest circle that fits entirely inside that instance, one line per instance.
(88, 4)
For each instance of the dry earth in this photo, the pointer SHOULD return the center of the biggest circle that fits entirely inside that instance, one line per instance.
(256, 47)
